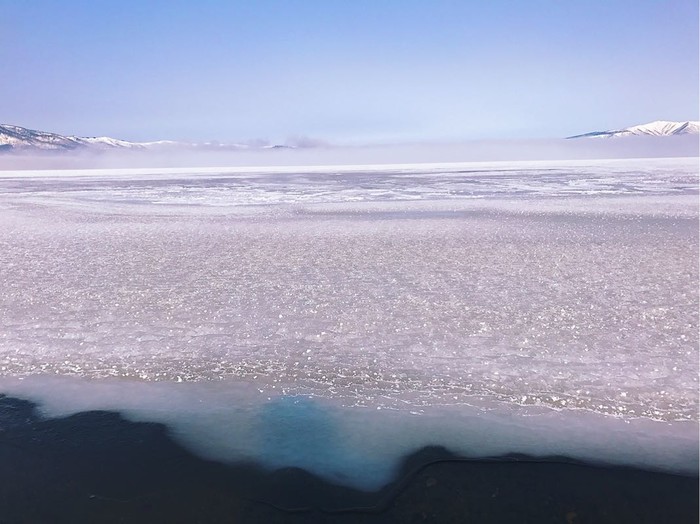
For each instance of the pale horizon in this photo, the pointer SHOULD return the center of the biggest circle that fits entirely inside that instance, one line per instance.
(448, 152)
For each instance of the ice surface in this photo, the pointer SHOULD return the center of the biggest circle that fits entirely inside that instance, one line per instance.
(237, 187)
(474, 289)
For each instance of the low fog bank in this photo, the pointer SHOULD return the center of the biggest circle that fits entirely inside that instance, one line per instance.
(473, 151)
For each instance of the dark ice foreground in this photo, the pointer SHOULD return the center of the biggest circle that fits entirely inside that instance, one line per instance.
(97, 467)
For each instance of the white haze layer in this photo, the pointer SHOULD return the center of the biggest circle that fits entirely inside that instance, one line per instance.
(337, 318)
(319, 154)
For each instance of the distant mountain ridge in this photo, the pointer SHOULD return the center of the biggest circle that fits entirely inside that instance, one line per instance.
(656, 128)
(16, 138)
(20, 139)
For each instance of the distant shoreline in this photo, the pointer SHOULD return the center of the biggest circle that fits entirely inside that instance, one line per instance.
(98, 467)
(516, 150)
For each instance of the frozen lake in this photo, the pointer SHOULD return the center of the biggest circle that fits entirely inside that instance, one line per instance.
(499, 302)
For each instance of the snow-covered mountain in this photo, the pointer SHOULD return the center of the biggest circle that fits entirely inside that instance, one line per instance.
(20, 138)
(657, 128)
(16, 138)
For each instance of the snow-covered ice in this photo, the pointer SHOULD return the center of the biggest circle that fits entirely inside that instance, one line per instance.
(540, 308)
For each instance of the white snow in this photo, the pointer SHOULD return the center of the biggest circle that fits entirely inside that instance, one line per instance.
(106, 141)
(656, 128)
(661, 128)
(23, 139)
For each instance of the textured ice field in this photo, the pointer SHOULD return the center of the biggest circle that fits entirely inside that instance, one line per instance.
(471, 288)
(237, 187)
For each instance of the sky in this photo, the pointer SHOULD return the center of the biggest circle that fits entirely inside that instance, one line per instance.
(355, 72)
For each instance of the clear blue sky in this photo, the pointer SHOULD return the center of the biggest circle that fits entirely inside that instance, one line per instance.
(346, 71)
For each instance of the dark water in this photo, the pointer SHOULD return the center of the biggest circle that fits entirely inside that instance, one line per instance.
(98, 467)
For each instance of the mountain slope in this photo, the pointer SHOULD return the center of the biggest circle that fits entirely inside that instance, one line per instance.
(15, 137)
(657, 128)
(20, 139)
